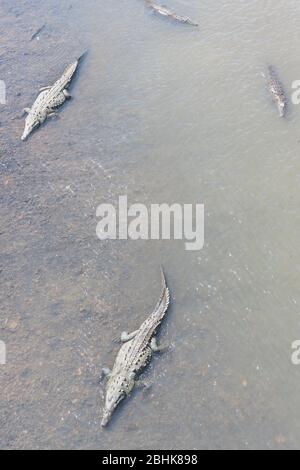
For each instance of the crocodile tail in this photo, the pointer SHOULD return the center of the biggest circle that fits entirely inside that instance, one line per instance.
(164, 301)
(72, 68)
(83, 55)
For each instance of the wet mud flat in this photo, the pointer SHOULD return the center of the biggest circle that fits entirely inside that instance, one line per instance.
(45, 254)
(66, 296)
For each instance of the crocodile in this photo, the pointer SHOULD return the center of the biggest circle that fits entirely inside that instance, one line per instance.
(133, 356)
(276, 89)
(162, 10)
(50, 98)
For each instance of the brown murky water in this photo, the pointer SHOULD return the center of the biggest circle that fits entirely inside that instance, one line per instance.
(162, 113)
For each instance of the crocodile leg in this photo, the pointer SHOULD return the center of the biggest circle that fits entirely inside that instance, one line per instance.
(105, 373)
(67, 94)
(127, 337)
(143, 384)
(27, 110)
(53, 114)
(45, 88)
(155, 348)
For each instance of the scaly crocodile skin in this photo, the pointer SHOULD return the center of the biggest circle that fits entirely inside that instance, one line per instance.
(133, 357)
(48, 100)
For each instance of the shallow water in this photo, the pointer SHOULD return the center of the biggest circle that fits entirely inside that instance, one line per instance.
(162, 113)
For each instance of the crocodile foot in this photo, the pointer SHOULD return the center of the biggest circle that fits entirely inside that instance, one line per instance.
(105, 373)
(128, 336)
(143, 384)
(67, 94)
(157, 349)
(53, 115)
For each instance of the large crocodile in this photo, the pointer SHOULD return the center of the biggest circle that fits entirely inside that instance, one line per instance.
(276, 89)
(133, 356)
(50, 98)
(162, 10)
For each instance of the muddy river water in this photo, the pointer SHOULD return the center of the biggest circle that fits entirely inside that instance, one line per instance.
(162, 113)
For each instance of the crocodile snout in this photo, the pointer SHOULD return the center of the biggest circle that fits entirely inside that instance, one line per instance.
(106, 418)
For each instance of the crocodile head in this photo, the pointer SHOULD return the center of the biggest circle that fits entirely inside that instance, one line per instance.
(30, 125)
(118, 387)
(113, 398)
